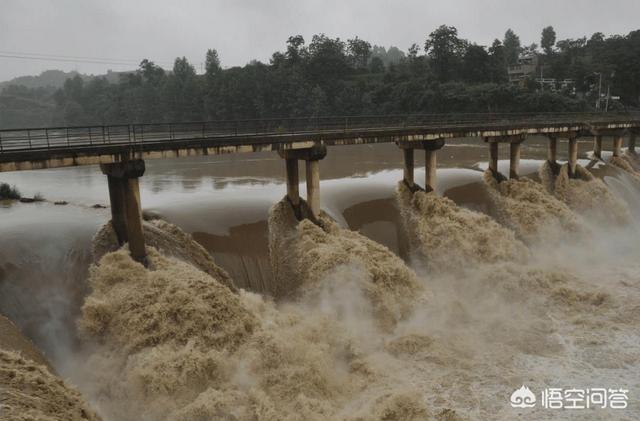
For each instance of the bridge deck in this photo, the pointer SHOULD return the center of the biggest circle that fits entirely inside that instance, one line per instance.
(34, 148)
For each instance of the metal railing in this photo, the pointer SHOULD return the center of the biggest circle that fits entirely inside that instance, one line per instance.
(76, 137)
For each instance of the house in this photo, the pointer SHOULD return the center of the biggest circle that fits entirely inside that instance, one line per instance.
(527, 67)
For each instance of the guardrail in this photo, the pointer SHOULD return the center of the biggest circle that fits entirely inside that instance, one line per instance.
(15, 140)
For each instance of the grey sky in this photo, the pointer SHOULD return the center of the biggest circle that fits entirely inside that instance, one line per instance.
(245, 29)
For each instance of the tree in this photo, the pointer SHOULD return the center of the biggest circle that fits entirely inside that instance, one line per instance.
(328, 77)
(376, 65)
(529, 50)
(512, 47)
(497, 62)
(212, 63)
(327, 61)
(151, 73)
(295, 49)
(476, 64)
(445, 50)
(183, 70)
(359, 52)
(548, 40)
(412, 52)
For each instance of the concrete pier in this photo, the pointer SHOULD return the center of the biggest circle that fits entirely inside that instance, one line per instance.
(312, 157)
(133, 208)
(597, 146)
(617, 145)
(573, 155)
(293, 181)
(126, 210)
(632, 141)
(493, 157)
(408, 167)
(431, 148)
(313, 187)
(431, 164)
(552, 151)
(118, 209)
(514, 159)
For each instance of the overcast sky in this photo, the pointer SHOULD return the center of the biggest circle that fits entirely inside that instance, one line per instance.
(242, 30)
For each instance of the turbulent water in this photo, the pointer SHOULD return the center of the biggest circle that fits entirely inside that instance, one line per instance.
(526, 207)
(31, 392)
(541, 288)
(448, 237)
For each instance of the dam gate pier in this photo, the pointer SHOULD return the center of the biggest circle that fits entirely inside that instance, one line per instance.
(126, 209)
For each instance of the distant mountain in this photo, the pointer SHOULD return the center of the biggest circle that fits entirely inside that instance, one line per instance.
(55, 79)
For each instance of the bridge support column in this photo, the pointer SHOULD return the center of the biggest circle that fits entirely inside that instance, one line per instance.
(126, 211)
(597, 146)
(552, 153)
(408, 167)
(632, 142)
(430, 167)
(617, 145)
(514, 159)
(493, 157)
(312, 157)
(118, 208)
(293, 181)
(313, 186)
(431, 148)
(573, 155)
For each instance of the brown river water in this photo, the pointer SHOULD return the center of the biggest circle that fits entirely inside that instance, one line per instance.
(399, 306)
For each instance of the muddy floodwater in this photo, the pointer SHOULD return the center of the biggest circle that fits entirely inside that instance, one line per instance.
(398, 306)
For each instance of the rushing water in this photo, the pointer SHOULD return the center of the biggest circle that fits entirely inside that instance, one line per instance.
(542, 292)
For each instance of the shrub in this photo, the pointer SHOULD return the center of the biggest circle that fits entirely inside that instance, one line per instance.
(8, 192)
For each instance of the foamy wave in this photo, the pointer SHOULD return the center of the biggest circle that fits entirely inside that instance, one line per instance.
(526, 207)
(303, 253)
(585, 194)
(449, 237)
(30, 392)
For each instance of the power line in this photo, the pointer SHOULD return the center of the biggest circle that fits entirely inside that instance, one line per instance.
(51, 59)
(72, 59)
(66, 56)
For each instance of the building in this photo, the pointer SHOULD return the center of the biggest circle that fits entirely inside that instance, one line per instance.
(530, 68)
(527, 68)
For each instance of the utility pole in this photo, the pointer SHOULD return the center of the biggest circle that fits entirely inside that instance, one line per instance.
(606, 108)
(599, 92)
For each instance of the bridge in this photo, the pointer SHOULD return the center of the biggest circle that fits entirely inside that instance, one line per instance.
(121, 149)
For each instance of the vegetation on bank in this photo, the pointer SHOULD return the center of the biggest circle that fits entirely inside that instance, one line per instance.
(329, 76)
(8, 192)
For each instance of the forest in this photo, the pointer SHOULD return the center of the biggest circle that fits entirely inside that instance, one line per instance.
(330, 76)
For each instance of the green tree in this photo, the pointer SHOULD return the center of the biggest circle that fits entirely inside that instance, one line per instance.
(327, 61)
(512, 47)
(359, 52)
(476, 64)
(548, 40)
(445, 50)
(212, 63)
(151, 73)
(497, 62)
(183, 70)
(376, 65)
(295, 49)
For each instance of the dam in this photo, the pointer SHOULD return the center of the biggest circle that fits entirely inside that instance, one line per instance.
(121, 150)
(496, 318)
